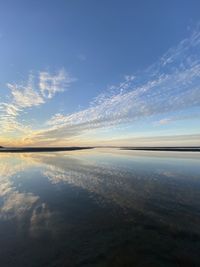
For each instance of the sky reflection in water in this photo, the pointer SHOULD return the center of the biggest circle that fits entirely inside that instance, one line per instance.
(102, 207)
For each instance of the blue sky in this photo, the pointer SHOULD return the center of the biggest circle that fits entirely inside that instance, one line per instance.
(99, 72)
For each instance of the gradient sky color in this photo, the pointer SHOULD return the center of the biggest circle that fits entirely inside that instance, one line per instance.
(99, 72)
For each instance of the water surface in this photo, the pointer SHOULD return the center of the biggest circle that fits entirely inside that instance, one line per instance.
(100, 207)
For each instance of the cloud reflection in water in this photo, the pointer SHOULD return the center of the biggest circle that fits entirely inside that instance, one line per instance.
(71, 198)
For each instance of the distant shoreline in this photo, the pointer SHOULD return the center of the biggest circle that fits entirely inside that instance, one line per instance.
(178, 149)
(39, 149)
(57, 149)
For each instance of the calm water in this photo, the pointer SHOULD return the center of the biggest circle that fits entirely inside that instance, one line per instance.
(100, 207)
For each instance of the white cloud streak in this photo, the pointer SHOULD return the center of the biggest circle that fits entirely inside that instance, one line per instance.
(170, 85)
(52, 84)
(25, 97)
(31, 94)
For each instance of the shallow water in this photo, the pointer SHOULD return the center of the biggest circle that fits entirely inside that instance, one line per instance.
(100, 207)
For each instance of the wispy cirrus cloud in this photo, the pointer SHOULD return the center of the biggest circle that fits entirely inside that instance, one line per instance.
(9, 119)
(26, 95)
(51, 84)
(170, 85)
(34, 93)
(10, 109)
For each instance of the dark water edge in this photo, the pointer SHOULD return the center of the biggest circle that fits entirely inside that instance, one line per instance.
(57, 149)
(178, 149)
(40, 149)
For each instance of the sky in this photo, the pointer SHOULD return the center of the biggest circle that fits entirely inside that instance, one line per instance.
(109, 72)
